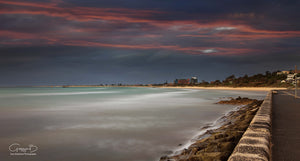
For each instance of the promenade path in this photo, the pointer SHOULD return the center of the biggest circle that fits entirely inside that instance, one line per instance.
(286, 126)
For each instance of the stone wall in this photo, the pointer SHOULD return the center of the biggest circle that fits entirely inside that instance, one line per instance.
(255, 144)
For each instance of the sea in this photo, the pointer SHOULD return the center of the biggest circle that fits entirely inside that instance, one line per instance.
(106, 123)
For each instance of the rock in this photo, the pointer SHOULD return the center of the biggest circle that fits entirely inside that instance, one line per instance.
(218, 144)
(238, 101)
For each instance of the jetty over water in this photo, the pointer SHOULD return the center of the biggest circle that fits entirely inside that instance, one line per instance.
(274, 133)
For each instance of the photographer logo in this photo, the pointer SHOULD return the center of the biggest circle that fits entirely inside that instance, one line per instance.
(17, 149)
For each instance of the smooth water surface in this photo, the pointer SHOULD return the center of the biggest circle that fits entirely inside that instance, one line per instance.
(105, 124)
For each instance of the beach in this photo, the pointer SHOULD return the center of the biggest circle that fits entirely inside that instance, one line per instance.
(175, 87)
(230, 88)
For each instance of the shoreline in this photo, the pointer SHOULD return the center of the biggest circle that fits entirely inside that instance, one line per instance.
(175, 87)
(203, 133)
(217, 139)
(232, 88)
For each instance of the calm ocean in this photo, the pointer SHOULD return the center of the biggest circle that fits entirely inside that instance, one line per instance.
(104, 124)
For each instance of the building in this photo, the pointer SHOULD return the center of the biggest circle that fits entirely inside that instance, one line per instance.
(182, 81)
(194, 80)
(290, 78)
(283, 72)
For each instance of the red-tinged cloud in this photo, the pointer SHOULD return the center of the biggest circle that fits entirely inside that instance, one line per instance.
(82, 14)
(85, 14)
(25, 37)
(29, 4)
(30, 39)
(217, 50)
(190, 50)
(131, 29)
(241, 33)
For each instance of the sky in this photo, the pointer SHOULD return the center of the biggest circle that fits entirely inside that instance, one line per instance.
(61, 42)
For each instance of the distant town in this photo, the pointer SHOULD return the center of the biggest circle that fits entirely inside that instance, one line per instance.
(285, 79)
(269, 79)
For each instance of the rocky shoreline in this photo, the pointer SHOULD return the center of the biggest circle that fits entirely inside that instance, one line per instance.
(237, 101)
(218, 144)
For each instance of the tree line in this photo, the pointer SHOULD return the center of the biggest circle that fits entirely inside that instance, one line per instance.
(269, 79)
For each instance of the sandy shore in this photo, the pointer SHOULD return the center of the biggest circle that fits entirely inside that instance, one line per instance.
(185, 87)
(232, 88)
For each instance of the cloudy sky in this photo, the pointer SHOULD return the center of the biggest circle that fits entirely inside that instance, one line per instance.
(53, 42)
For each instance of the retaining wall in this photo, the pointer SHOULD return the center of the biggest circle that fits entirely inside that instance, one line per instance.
(255, 144)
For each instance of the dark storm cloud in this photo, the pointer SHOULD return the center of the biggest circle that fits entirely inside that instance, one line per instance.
(257, 11)
(30, 24)
(91, 42)
(68, 65)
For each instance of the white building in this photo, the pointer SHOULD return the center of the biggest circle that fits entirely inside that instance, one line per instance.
(194, 80)
(290, 78)
(283, 72)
